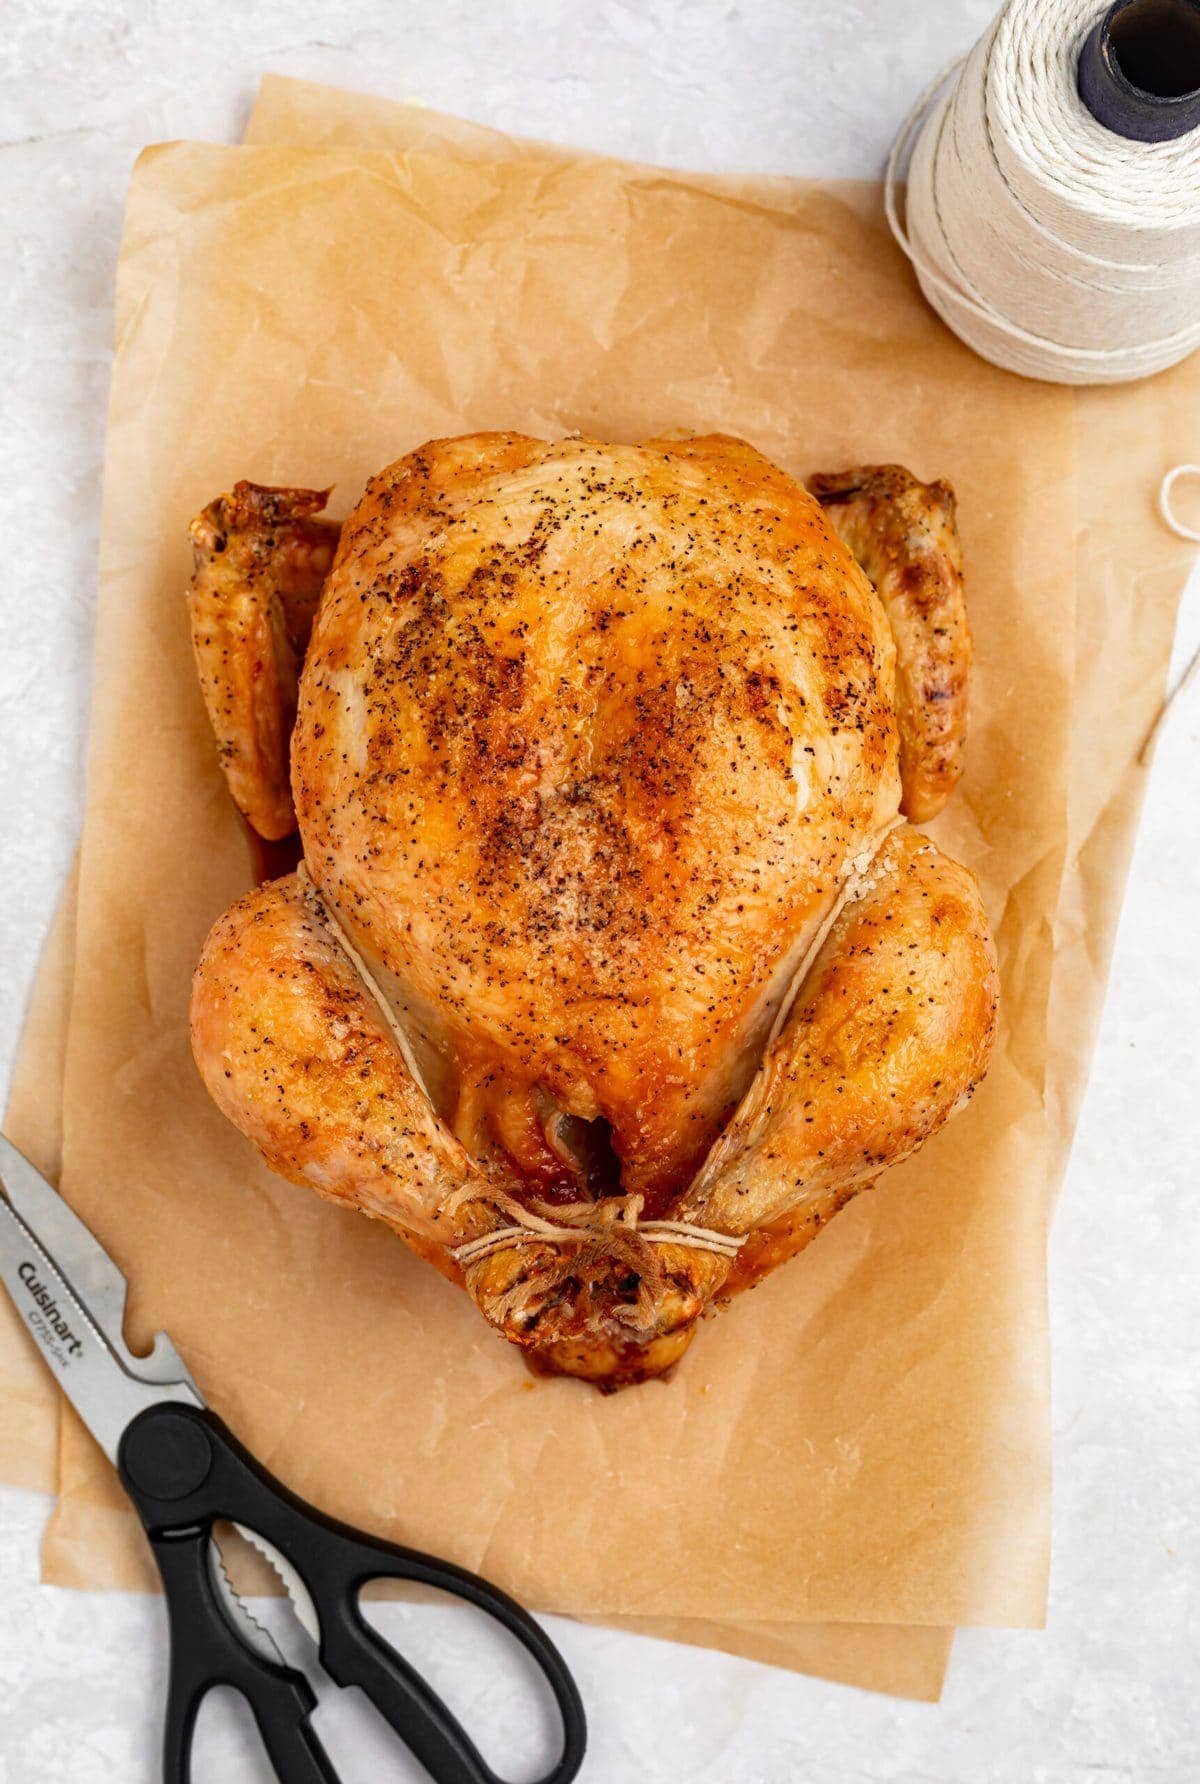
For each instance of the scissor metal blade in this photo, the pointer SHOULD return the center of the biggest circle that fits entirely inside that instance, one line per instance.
(242, 1618)
(105, 1392)
(293, 1585)
(83, 1260)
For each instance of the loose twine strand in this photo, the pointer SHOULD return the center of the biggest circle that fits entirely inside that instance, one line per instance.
(1166, 504)
(1191, 674)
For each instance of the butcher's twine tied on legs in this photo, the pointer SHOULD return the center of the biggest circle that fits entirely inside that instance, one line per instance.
(616, 1218)
(609, 1238)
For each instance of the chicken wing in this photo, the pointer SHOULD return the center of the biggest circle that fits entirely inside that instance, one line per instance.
(903, 534)
(261, 559)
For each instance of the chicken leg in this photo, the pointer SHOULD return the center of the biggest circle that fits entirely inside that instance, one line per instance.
(887, 1037)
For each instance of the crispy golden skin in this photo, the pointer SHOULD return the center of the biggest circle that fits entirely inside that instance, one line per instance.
(593, 743)
(296, 1051)
(261, 559)
(888, 1036)
(586, 732)
(903, 534)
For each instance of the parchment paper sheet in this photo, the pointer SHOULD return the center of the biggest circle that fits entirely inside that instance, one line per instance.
(911, 1661)
(1141, 674)
(874, 1418)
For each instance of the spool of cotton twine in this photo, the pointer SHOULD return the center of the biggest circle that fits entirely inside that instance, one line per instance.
(1053, 200)
(1052, 244)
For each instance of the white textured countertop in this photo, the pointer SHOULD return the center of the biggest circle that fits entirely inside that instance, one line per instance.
(1111, 1689)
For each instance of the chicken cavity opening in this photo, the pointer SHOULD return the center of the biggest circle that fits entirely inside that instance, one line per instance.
(586, 1148)
(559, 1156)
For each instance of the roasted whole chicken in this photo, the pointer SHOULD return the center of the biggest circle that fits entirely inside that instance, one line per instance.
(612, 967)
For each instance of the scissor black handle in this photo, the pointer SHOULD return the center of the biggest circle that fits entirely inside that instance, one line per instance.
(184, 1470)
(205, 1653)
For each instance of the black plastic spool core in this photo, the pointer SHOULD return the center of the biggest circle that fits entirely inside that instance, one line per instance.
(1139, 69)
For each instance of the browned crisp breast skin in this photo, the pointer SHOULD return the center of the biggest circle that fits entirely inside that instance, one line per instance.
(904, 535)
(585, 733)
(261, 559)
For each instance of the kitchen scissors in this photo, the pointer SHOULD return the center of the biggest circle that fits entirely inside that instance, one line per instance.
(184, 1471)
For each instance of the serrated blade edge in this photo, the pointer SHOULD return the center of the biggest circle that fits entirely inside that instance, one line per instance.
(247, 1625)
(293, 1585)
